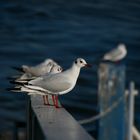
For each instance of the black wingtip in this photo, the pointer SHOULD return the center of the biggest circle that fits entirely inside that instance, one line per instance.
(16, 83)
(13, 82)
(16, 89)
(17, 68)
(10, 78)
(9, 89)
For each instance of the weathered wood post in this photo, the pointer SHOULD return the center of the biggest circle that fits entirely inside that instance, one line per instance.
(112, 100)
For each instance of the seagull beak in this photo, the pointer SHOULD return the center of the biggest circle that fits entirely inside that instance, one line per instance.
(88, 65)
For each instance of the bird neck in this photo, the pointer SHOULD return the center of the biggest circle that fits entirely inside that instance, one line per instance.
(75, 71)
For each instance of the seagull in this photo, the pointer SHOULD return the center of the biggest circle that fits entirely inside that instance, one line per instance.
(24, 78)
(58, 83)
(116, 54)
(32, 72)
(54, 69)
(38, 70)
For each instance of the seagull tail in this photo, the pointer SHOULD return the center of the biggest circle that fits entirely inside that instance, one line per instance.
(12, 77)
(25, 80)
(18, 82)
(100, 59)
(15, 89)
(18, 69)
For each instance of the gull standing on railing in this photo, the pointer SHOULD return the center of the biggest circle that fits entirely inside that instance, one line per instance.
(38, 70)
(56, 84)
(31, 72)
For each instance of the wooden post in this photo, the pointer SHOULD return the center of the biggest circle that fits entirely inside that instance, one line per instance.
(112, 100)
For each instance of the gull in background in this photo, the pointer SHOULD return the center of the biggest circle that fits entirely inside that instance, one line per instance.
(58, 83)
(116, 54)
(31, 71)
(38, 70)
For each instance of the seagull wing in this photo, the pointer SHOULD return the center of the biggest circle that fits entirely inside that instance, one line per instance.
(113, 54)
(53, 83)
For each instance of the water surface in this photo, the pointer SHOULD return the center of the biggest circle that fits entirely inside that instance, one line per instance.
(31, 31)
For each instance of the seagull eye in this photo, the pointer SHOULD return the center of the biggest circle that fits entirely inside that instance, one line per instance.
(81, 61)
(75, 62)
(59, 69)
(50, 64)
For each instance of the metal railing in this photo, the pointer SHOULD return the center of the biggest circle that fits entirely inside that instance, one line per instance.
(116, 112)
(50, 123)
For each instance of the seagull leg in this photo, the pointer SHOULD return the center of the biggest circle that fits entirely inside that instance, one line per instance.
(53, 99)
(56, 101)
(45, 99)
(117, 62)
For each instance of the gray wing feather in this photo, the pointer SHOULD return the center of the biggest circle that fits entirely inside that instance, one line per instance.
(52, 83)
(113, 54)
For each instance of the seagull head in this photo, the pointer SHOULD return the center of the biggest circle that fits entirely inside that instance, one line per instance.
(80, 62)
(56, 69)
(47, 61)
(122, 47)
(49, 66)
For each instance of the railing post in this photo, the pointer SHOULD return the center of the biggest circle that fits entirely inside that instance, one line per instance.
(50, 123)
(112, 99)
(131, 102)
(33, 127)
(29, 119)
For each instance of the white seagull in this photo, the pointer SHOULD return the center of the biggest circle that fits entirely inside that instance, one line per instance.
(116, 54)
(58, 83)
(38, 70)
(32, 72)
(21, 88)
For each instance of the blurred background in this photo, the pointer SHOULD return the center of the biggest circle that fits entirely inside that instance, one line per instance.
(31, 31)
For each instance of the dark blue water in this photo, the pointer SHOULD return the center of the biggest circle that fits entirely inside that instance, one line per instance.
(31, 31)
